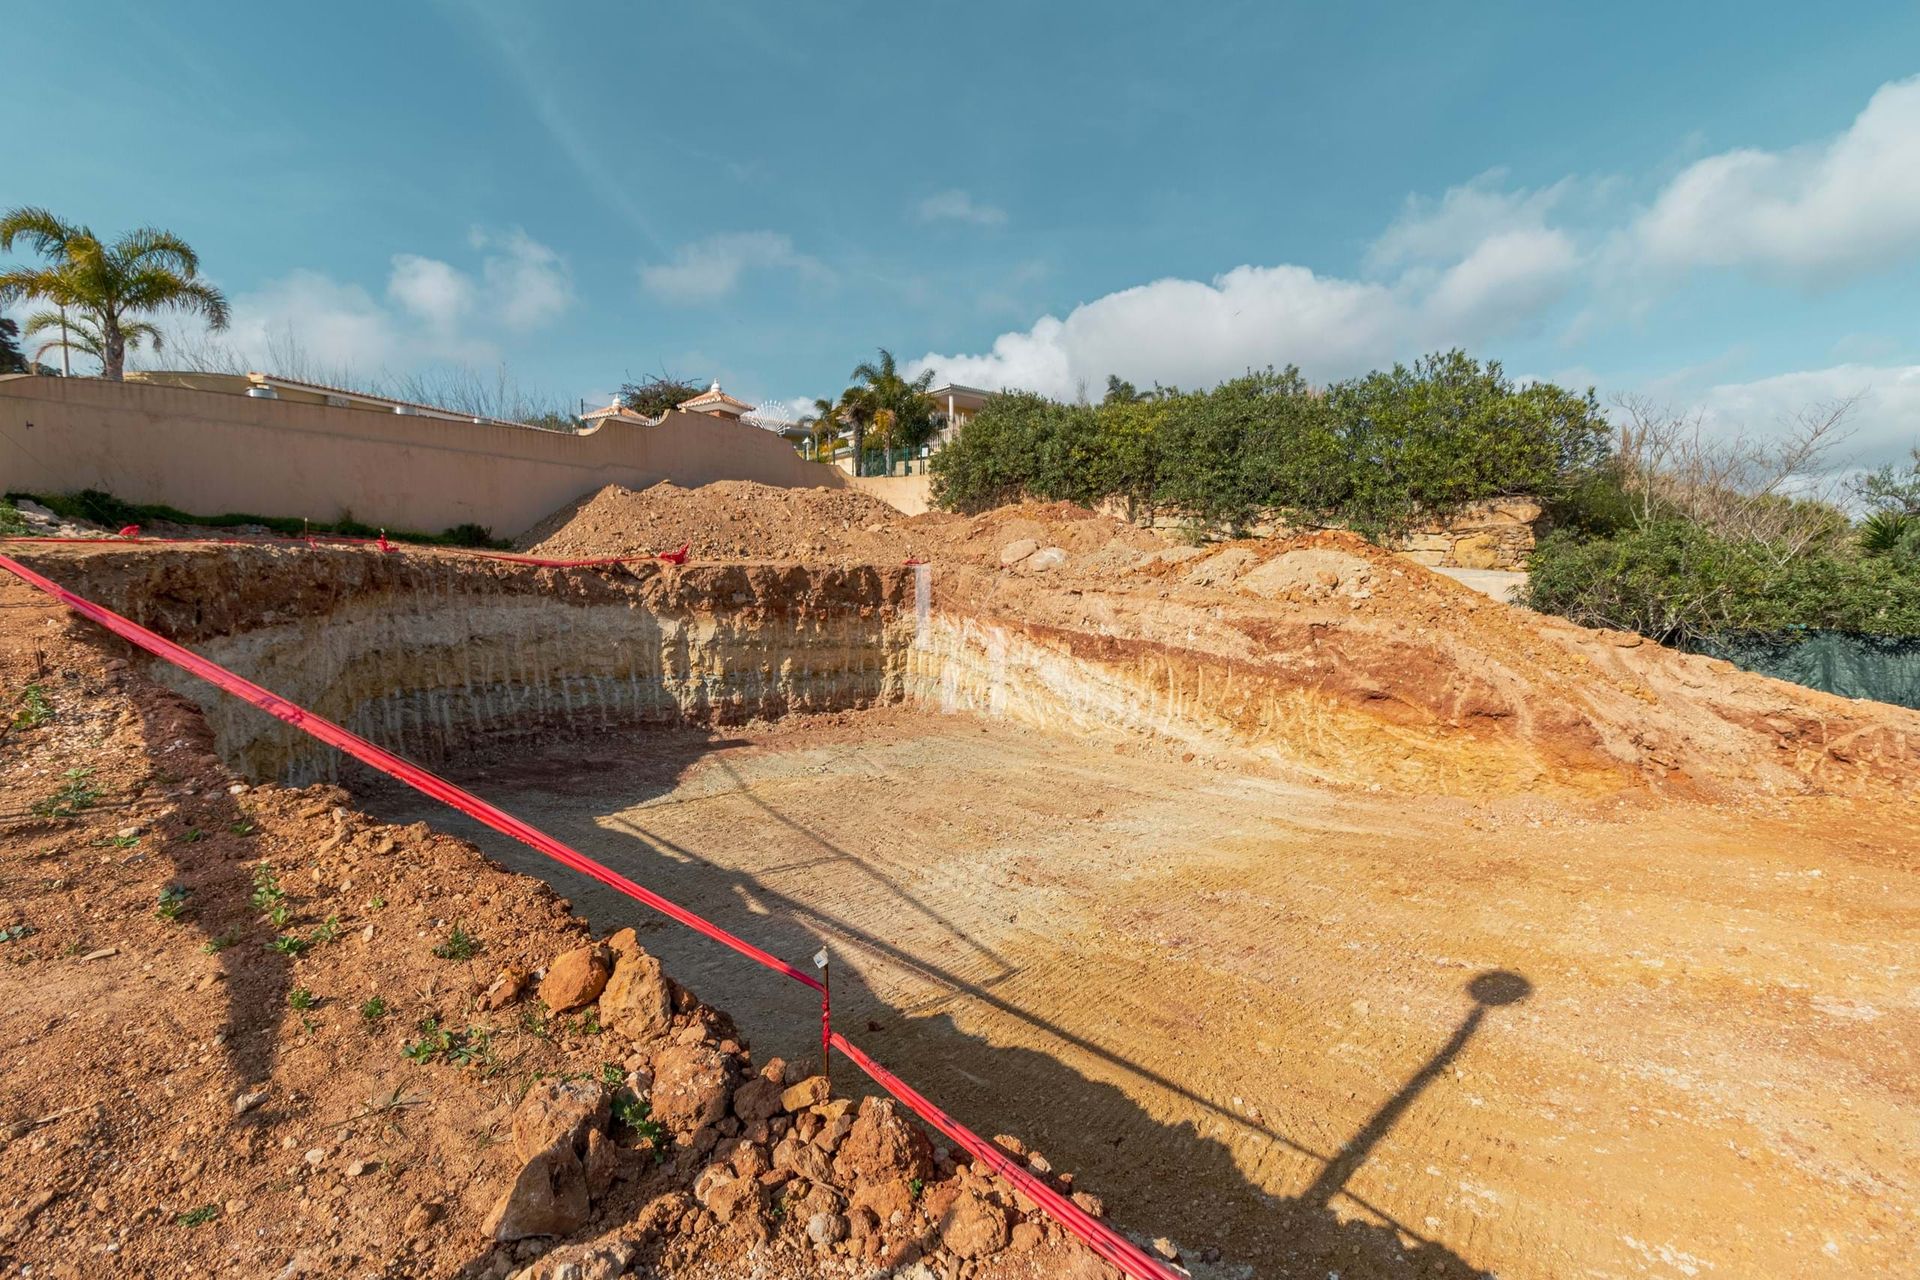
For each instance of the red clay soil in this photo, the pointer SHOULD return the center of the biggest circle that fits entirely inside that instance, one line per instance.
(250, 1032)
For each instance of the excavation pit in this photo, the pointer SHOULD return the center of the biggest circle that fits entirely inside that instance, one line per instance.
(1318, 1027)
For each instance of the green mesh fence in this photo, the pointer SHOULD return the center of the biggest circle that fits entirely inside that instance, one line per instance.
(1884, 668)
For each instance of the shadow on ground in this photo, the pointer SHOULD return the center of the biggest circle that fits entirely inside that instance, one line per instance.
(1200, 1197)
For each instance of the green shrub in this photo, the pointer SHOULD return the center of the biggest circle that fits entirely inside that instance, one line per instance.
(1677, 581)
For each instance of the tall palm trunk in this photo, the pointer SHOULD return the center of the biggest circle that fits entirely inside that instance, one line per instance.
(113, 348)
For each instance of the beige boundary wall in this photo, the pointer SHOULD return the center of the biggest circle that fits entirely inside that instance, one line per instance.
(910, 495)
(211, 454)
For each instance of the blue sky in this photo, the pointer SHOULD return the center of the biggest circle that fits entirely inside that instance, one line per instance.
(1716, 204)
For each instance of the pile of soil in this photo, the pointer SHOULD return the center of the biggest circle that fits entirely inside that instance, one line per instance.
(252, 1032)
(729, 520)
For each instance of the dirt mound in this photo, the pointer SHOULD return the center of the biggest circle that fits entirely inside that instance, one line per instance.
(729, 520)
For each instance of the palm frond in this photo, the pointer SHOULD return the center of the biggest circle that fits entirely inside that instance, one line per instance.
(40, 228)
(150, 246)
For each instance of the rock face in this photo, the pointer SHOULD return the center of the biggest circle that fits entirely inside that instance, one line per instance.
(638, 1000)
(575, 978)
(690, 1087)
(559, 1129)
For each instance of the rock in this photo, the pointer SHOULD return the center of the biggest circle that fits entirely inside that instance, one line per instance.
(576, 978)
(975, 1227)
(809, 1162)
(756, 1100)
(883, 1144)
(1044, 559)
(727, 1198)
(556, 1110)
(585, 1262)
(1011, 1145)
(689, 1087)
(1016, 551)
(810, 1092)
(423, 1215)
(622, 942)
(1092, 1205)
(315, 1156)
(504, 989)
(548, 1198)
(638, 1000)
(246, 1102)
(1166, 1248)
(360, 1168)
(826, 1230)
(884, 1198)
(1026, 1236)
(601, 1164)
(833, 1133)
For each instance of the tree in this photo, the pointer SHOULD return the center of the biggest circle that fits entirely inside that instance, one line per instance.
(824, 423)
(911, 411)
(657, 395)
(1891, 488)
(11, 361)
(111, 285)
(81, 336)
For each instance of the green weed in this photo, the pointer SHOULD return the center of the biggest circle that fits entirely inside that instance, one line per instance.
(173, 903)
(195, 1217)
(288, 944)
(460, 945)
(300, 998)
(372, 1009)
(73, 797)
(34, 709)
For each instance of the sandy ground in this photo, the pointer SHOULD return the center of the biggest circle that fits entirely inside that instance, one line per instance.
(1332, 1035)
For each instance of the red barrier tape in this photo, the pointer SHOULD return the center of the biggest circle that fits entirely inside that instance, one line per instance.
(1101, 1238)
(1098, 1236)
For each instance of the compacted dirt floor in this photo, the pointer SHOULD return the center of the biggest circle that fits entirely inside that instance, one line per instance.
(1327, 1032)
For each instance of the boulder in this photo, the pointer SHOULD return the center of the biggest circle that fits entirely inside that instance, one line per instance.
(883, 1144)
(548, 1198)
(1044, 559)
(826, 1229)
(810, 1092)
(974, 1227)
(601, 1163)
(576, 978)
(1016, 551)
(504, 989)
(556, 1110)
(690, 1087)
(756, 1100)
(638, 1000)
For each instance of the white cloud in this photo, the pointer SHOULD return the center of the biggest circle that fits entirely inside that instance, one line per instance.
(1884, 423)
(527, 284)
(435, 291)
(1195, 333)
(1453, 226)
(307, 324)
(958, 206)
(1816, 212)
(709, 270)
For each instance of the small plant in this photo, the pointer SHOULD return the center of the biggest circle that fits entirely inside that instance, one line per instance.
(372, 1009)
(376, 903)
(473, 1048)
(15, 932)
(534, 1023)
(117, 842)
(216, 945)
(434, 1040)
(300, 998)
(460, 945)
(327, 930)
(611, 1075)
(242, 828)
(280, 915)
(34, 709)
(289, 945)
(914, 1187)
(173, 903)
(193, 835)
(196, 1217)
(267, 892)
(73, 797)
(636, 1113)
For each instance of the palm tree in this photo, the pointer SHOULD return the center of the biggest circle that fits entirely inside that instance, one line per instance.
(825, 422)
(79, 334)
(909, 408)
(109, 284)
